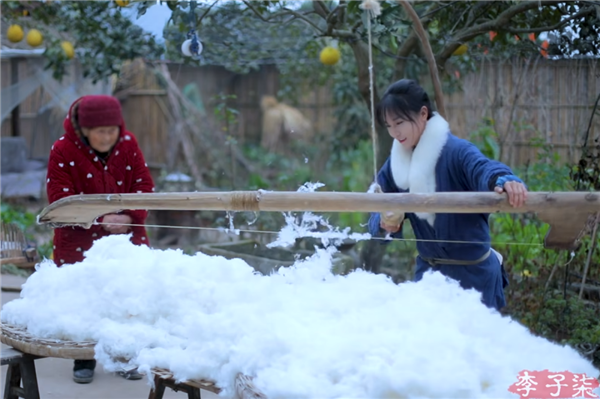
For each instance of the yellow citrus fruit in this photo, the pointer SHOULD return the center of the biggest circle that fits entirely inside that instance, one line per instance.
(34, 38)
(68, 49)
(122, 3)
(462, 49)
(15, 33)
(330, 55)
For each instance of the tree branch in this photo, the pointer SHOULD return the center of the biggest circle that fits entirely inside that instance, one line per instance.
(303, 18)
(467, 10)
(404, 51)
(251, 7)
(496, 24)
(286, 11)
(502, 19)
(320, 8)
(342, 34)
(558, 25)
(206, 12)
(472, 18)
(411, 42)
(433, 70)
(332, 14)
(342, 13)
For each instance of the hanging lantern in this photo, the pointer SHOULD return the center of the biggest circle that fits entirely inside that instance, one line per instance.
(192, 47)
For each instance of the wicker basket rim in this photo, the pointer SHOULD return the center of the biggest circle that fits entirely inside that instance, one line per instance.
(22, 340)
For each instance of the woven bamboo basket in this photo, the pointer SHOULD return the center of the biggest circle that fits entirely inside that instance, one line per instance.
(20, 339)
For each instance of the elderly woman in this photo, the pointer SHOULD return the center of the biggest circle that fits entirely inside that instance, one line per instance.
(426, 158)
(96, 155)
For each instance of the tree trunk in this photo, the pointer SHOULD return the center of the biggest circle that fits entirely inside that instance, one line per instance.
(431, 61)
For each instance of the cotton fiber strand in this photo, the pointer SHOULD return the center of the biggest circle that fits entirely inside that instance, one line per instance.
(301, 332)
(307, 224)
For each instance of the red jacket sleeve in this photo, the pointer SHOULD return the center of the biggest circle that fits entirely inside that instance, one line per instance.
(59, 183)
(142, 183)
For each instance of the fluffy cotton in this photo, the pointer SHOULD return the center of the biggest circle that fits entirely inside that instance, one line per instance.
(308, 224)
(302, 332)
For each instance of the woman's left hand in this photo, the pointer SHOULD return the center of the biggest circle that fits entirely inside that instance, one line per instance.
(516, 191)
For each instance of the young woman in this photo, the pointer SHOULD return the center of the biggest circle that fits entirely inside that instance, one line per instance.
(425, 158)
(96, 155)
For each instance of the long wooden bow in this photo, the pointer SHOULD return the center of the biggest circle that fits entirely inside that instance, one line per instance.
(569, 214)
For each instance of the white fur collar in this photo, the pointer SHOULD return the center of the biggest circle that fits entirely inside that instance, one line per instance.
(415, 170)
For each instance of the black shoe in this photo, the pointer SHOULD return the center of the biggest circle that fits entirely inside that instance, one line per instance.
(83, 371)
(131, 374)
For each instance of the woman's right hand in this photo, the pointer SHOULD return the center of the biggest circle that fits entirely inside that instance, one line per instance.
(116, 223)
(391, 221)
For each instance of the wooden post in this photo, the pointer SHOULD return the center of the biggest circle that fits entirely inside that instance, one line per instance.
(593, 245)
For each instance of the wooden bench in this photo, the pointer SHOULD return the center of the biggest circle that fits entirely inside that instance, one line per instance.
(164, 379)
(160, 384)
(21, 367)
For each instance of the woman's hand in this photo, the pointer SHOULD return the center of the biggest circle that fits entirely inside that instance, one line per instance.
(391, 221)
(113, 223)
(516, 191)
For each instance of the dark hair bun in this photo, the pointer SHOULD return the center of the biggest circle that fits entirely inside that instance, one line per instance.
(404, 98)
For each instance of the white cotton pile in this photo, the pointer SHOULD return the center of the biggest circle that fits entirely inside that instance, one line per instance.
(302, 333)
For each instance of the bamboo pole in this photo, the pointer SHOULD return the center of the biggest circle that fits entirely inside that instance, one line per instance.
(84, 209)
(566, 212)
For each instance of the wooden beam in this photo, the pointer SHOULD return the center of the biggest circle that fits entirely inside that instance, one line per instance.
(564, 211)
(85, 208)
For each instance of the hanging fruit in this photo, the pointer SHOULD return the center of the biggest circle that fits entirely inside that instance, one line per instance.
(15, 33)
(532, 37)
(493, 35)
(461, 50)
(122, 3)
(68, 49)
(34, 38)
(544, 50)
(330, 55)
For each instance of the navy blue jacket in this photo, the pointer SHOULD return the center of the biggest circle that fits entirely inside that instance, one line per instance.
(458, 165)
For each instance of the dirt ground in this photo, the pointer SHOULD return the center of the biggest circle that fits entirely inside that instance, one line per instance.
(55, 375)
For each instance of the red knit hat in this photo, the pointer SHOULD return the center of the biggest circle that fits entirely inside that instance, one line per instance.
(99, 110)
